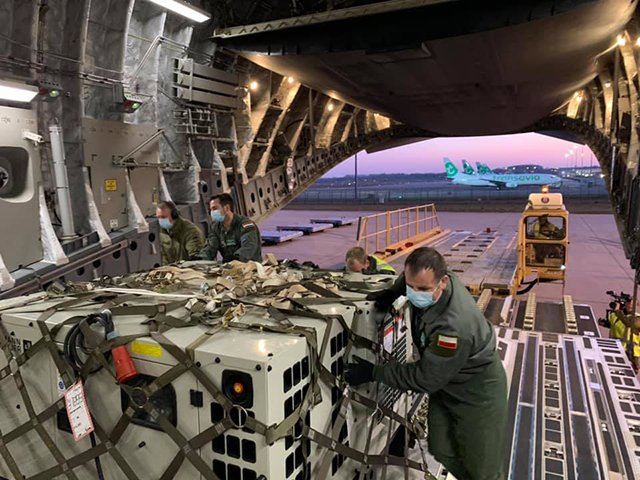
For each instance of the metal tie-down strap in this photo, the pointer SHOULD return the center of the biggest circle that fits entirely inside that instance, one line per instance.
(159, 322)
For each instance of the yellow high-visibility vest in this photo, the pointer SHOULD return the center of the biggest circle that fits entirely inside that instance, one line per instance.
(382, 266)
(617, 330)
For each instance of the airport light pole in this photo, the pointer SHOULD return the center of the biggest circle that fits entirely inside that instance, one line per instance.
(355, 178)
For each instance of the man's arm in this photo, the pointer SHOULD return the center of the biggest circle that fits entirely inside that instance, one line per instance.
(167, 248)
(399, 287)
(211, 248)
(194, 242)
(440, 362)
(249, 243)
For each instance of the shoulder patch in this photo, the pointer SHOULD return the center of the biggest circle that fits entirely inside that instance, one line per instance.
(445, 341)
(247, 225)
(444, 345)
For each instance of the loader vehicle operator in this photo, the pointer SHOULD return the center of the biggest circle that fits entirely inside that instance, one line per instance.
(458, 367)
(234, 236)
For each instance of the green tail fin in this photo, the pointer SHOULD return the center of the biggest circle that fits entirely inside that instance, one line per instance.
(468, 169)
(450, 168)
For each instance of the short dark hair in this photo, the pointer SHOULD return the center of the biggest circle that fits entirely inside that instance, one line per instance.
(175, 213)
(426, 258)
(225, 200)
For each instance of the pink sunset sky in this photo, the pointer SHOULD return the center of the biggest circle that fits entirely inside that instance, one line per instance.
(496, 152)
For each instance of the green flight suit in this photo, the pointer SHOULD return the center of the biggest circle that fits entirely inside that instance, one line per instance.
(182, 242)
(464, 377)
(376, 265)
(240, 242)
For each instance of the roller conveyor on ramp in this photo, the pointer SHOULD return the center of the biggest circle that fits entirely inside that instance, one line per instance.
(574, 407)
(544, 316)
(480, 260)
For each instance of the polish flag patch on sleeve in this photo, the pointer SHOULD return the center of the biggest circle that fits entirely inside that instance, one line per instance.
(450, 343)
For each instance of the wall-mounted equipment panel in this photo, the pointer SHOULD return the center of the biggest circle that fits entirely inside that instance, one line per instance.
(19, 177)
(108, 142)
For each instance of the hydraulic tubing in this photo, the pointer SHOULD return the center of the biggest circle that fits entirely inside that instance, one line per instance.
(61, 179)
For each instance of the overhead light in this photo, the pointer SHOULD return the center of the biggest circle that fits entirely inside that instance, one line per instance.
(607, 84)
(17, 92)
(330, 107)
(253, 85)
(579, 98)
(290, 79)
(184, 9)
(621, 40)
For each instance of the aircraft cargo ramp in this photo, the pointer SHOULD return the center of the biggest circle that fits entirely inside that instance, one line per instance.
(482, 260)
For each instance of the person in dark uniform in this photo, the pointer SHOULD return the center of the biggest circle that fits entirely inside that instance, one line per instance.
(458, 367)
(180, 239)
(232, 235)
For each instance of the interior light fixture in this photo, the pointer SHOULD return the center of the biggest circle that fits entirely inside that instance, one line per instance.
(330, 107)
(17, 92)
(621, 40)
(290, 79)
(607, 84)
(253, 85)
(184, 9)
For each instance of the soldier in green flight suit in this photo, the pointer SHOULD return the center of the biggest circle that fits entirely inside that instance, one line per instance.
(358, 261)
(236, 237)
(458, 367)
(180, 239)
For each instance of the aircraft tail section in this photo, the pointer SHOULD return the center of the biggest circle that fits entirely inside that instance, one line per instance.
(483, 169)
(468, 169)
(450, 168)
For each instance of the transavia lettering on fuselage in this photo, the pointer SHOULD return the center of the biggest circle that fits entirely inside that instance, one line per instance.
(516, 178)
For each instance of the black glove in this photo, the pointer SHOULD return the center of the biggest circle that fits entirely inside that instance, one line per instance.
(384, 298)
(358, 373)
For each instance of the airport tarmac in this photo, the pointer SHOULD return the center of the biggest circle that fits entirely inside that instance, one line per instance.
(596, 259)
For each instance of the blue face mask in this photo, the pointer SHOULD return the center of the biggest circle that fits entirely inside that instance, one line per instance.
(421, 299)
(216, 216)
(165, 223)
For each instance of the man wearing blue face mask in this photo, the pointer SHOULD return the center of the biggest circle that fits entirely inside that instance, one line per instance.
(234, 236)
(180, 239)
(458, 367)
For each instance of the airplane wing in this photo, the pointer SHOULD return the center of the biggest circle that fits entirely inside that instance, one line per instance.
(497, 183)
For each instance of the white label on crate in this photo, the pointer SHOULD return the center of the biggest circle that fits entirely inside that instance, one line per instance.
(589, 334)
(113, 223)
(60, 383)
(584, 317)
(78, 411)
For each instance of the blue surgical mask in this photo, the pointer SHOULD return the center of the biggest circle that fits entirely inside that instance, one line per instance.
(421, 299)
(165, 223)
(216, 216)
